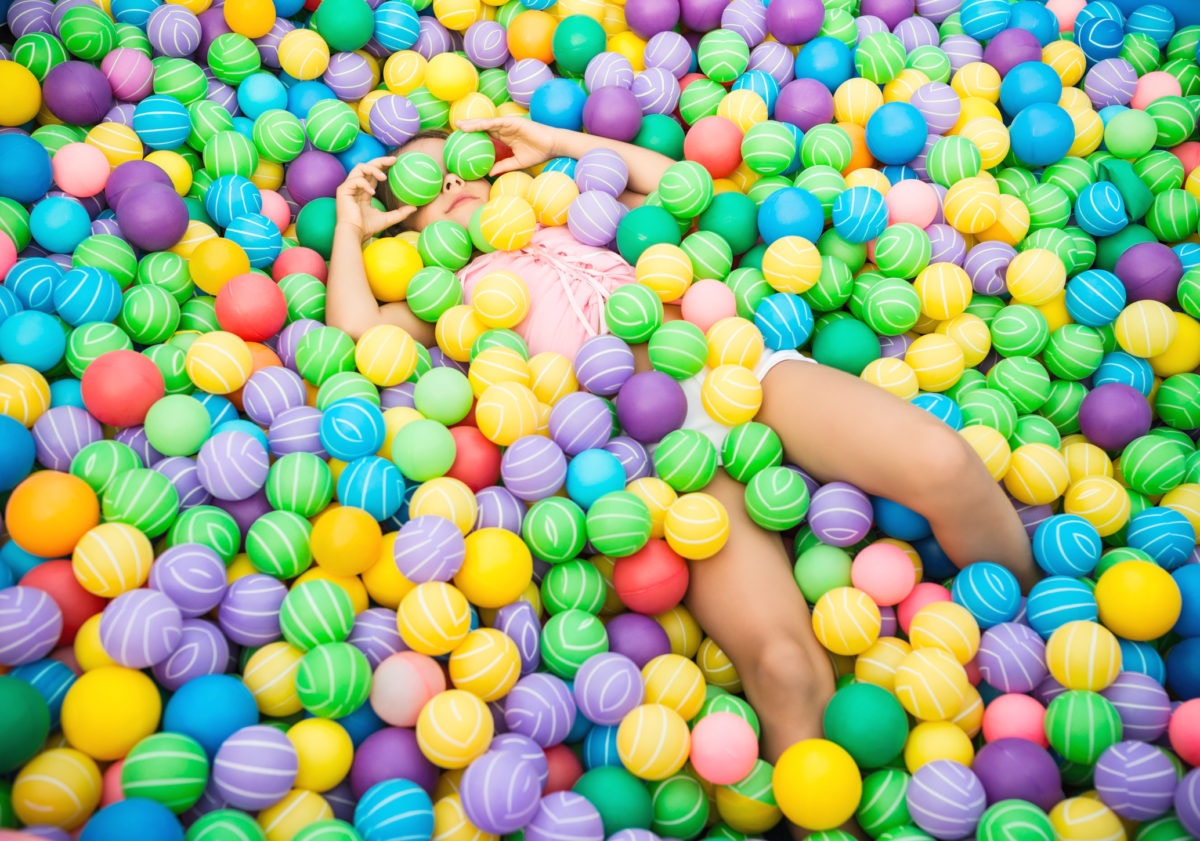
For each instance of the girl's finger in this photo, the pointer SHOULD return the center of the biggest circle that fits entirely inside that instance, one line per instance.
(509, 164)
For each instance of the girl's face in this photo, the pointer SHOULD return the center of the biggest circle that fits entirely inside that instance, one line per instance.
(458, 200)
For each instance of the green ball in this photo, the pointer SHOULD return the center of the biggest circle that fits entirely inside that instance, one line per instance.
(749, 287)
(277, 544)
(1062, 406)
(902, 250)
(908, 832)
(820, 569)
(621, 798)
(834, 286)
(618, 524)
(1153, 465)
(1023, 380)
(839, 23)
(110, 253)
(102, 461)
(734, 216)
(88, 342)
(1049, 206)
(25, 717)
(1035, 429)
(868, 722)
(777, 498)
(199, 315)
(711, 255)
(700, 99)
(345, 385)
(1007, 820)
(1177, 401)
(445, 243)
(569, 639)
(415, 178)
(233, 58)
(39, 53)
(826, 145)
(1081, 725)
(500, 337)
(346, 25)
(686, 189)
(328, 830)
(723, 55)
(278, 135)
(1167, 828)
(1015, 181)
(185, 81)
(1174, 120)
(769, 148)
(169, 768)
(493, 83)
(750, 448)
(316, 613)
(633, 312)
(680, 807)
(434, 113)
(678, 348)
(577, 40)
(149, 314)
(573, 585)
(931, 61)
(757, 785)
(847, 344)
(553, 529)
(891, 307)
(1019, 330)
(1188, 292)
(230, 153)
(883, 805)
(432, 291)
(1142, 52)
(686, 460)
(989, 407)
(14, 218)
(423, 449)
(880, 57)
(443, 395)
(952, 159)
(300, 483)
(469, 155)
(88, 32)
(720, 700)
(1073, 352)
(333, 680)
(1130, 133)
(177, 425)
(209, 526)
(331, 125)
(1173, 215)
(143, 498)
(323, 352)
(643, 227)
(661, 134)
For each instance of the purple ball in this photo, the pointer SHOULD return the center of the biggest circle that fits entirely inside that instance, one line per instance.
(314, 175)
(433, 38)
(1187, 802)
(268, 45)
(916, 32)
(527, 749)
(296, 431)
(747, 18)
(580, 421)
(607, 686)
(1113, 414)
(272, 391)
(132, 174)
(987, 266)
(656, 90)
(499, 508)
(255, 767)
(173, 31)
(213, 26)
(62, 432)
(1011, 47)
(1135, 780)
(540, 706)
(702, 16)
(525, 77)
(650, 405)
(1110, 82)
(185, 479)
(608, 70)
(891, 12)
(1012, 657)
(153, 217)
(602, 169)
(1150, 271)
(519, 622)
(388, 754)
(202, 650)
(500, 791)
(233, 465)
(840, 514)
(804, 103)
(140, 628)
(1047, 690)
(946, 799)
(1018, 769)
(395, 396)
(961, 50)
(612, 112)
(565, 816)
(649, 17)
(349, 76)
(632, 455)
(938, 104)
(30, 625)
(533, 467)
(246, 511)
(894, 347)
(224, 95)
(888, 622)
(29, 16)
(192, 576)
(794, 22)
(374, 634)
(670, 51)
(429, 548)
(602, 365)
(774, 59)
(947, 245)
(486, 44)
(1142, 705)
(937, 10)
(249, 612)
(77, 93)
(135, 438)
(290, 336)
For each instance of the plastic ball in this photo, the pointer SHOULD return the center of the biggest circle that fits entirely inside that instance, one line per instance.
(817, 784)
(1138, 600)
(946, 798)
(108, 710)
(58, 787)
(49, 513)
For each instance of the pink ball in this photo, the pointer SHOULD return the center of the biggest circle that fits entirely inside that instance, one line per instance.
(130, 74)
(1188, 154)
(1066, 11)
(80, 169)
(884, 572)
(403, 684)
(1184, 731)
(923, 594)
(8, 254)
(110, 784)
(275, 208)
(912, 201)
(1154, 85)
(724, 748)
(1015, 716)
(708, 301)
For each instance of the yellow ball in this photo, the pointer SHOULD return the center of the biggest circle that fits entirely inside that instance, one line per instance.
(892, 375)
(931, 684)
(496, 569)
(1013, 224)
(1035, 276)
(947, 626)
(175, 166)
(683, 631)
(497, 365)
(384, 582)
(298, 808)
(551, 194)
(390, 263)
(473, 106)
(731, 394)
(658, 496)
(1083, 655)
(22, 94)
(445, 497)
(744, 108)
(1146, 328)
(817, 784)
(24, 393)
(270, 675)
(219, 362)
(197, 234)
(506, 412)
(990, 136)
(214, 261)
(325, 752)
(58, 787)
(791, 264)
(937, 361)
(1074, 100)
(500, 298)
(118, 143)
(386, 355)
(666, 269)
(457, 330)
(631, 47)
(716, 667)
(653, 741)
(1185, 499)
(855, 100)
(1089, 133)
(450, 821)
(734, 341)
(88, 650)
(345, 540)
(970, 717)
(404, 71)
(1085, 819)
(902, 88)
(972, 205)
(930, 740)
(748, 806)
(111, 559)
(878, 663)
(450, 76)
(696, 526)
(454, 728)
(977, 78)
(303, 54)
(991, 447)
(458, 15)
(507, 223)
(1183, 353)
(552, 377)
(846, 620)
(676, 682)
(1037, 474)
(1086, 459)
(867, 177)
(486, 664)
(1067, 60)
(515, 183)
(1101, 500)
(109, 710)
(944, 290)
(434, 618)
(1138, 600)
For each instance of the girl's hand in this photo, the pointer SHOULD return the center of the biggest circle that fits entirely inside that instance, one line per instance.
(354, 195)
(531, 143)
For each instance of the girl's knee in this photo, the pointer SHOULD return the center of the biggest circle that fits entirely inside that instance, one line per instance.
(790, 665)
(941, 458)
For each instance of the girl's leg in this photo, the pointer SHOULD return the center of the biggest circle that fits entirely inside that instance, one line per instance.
(839, 427)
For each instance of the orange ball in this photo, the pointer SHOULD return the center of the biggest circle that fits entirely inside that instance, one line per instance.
(860, 156)
(531, 35)
(49, 511)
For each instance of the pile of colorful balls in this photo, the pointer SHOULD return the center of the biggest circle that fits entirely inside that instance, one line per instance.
(259, 580)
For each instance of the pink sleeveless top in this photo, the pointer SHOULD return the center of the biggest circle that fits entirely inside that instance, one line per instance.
(568, 284)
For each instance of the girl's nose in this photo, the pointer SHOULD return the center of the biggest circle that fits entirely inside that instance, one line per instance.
(451, 180)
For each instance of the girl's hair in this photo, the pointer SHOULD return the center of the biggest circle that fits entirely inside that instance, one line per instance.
(384, 191)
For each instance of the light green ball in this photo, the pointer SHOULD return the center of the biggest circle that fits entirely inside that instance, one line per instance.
(316, 613)
(178, 425)
(169, 768)
(333, 680)
(553, 529)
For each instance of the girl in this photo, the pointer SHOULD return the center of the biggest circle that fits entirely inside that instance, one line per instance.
(832, 424)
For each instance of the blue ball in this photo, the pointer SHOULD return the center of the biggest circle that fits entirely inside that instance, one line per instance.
(32, 281)
(51, 678)
(896, 133)
(1042, 134)
(935, 563)
(67, 391)
(790, 211)
(1183, 669)
(1187, 577)
(561, 164)
(87, 293)
(1095, 297)
(230, 197)
(989, 591)
(1141, 657)
(394, 810)
(16, 456)
(259, 238)
(827, 60)
(761, 83)
(9, 303)
(600, 747)
(352, 428)
(361, 723)
(18, 560)
(1153, 20)
(1188, 254)
(25, 173)
(1066, 544)
(1125, 368)
(133, 817)
(895, 173)
(591, 474)
(1100, 209)
(898, 521)
(260, 93)
(364, 148)
(785, 320)
(32, 338)
(1164, 534)
(1100, 10)
(162, 122)
(220, 409)
(7, 578)
(558, 103)
(579, 728)
(396, 25)
(1100, 38)
(860, 214)
(59, 224)
(984, 19)
(1057, 600)
(210, 709)
(941, 407)
(373, 484)
(302, 96)
(134, 12)
(1036, 18)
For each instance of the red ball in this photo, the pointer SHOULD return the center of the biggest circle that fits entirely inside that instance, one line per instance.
(298, 260)
(57, 579)
(251, 306)
(120, 386)
(688, 78)
(476, 459)
(716, 144)
(652, 580)
(923, 594)
(565, 768)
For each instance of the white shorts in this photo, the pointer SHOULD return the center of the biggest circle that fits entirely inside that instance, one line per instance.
(700, 420)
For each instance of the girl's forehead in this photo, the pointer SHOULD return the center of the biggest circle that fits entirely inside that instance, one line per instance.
(431, 146)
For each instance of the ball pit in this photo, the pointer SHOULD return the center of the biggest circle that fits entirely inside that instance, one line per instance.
(989, 209)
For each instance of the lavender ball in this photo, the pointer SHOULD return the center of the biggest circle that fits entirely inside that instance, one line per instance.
(519, 622)
(140, 628)
(774, 59)
(1187, 802)
(429, 548)
(916, 32)
(946, 798)
(633, 457)
(527, 749)
(937, 10)
(28, 16)
(192, 576)
(433, 38)
(486, 44)
(296, 431)
(268, 45)
(135, 438)
(349, 76)
(1142, 705)
(946, 244)
(961, 50)
(533, 467)
(747, 18)
(607, 687)
(499, 508)
(669, 51)
(1110, 82)
(374, 634)
(1012, 657)
(500, 792)
(656, 90)
(840, 514)
(602, 365)
(233, 465)
(869, 25)
(173, 31)
(60, 433)
(398, 395)
(249, 612)
(608, 70)
(271, 391)
(638, 637)
(526, 76)
(602, 169)
(594, 216)
(938, 104)
(290, 336)
(541, 707)
(202, 650)
(184, 476)
(565, 816)
(1135, 780)
(30, 625)
(255, 767)
(987, 266)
